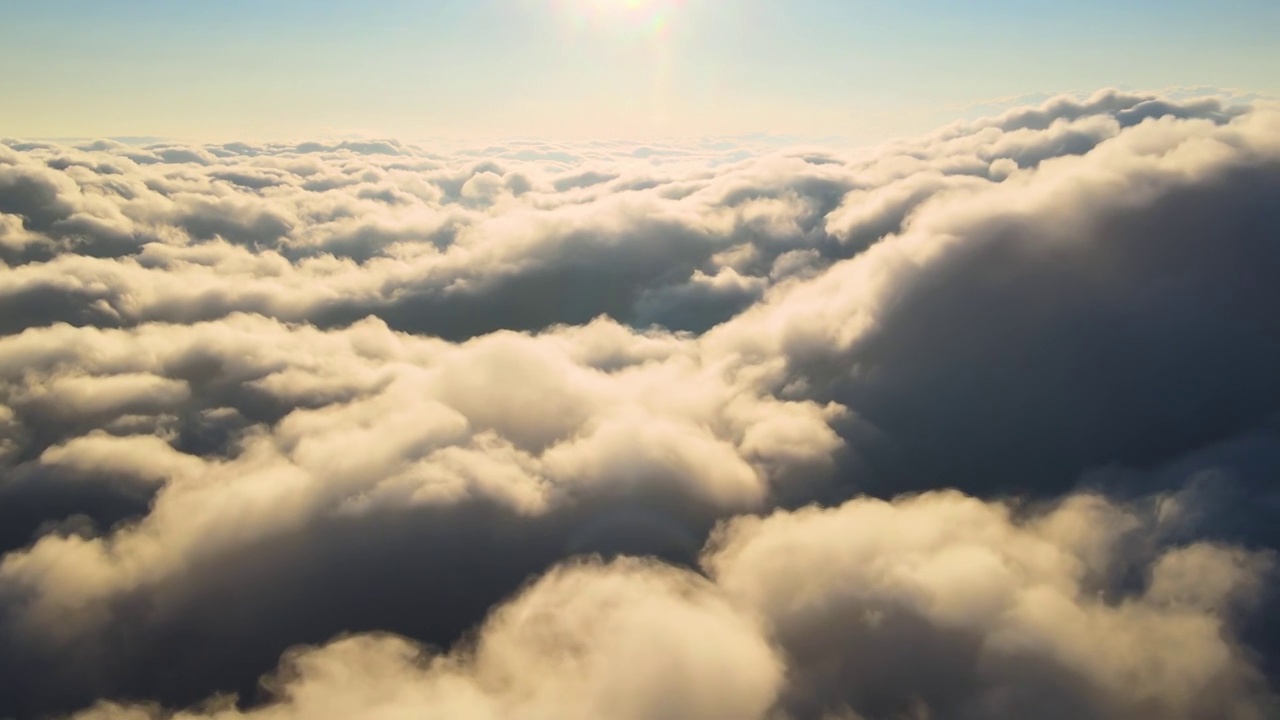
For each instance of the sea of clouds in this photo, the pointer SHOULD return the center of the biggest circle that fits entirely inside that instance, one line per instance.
(980, 425)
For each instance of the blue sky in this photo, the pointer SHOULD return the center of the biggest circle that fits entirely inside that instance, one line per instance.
(264, 69)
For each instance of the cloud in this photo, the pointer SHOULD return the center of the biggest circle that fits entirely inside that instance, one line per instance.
(422, 240)
(953, 608)
(629, 640)
(1022, 332)
(377, 401)
(361, 452)
(938, 605)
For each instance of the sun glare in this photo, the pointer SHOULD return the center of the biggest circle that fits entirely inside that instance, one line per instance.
(631, 16)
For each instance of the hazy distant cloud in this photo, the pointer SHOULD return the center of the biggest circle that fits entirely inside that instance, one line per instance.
(430, 235)
(361, 396)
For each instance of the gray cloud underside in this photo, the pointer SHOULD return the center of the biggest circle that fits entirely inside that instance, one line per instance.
(399, 423)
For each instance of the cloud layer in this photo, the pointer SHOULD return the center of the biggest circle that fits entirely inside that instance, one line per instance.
(982, 424)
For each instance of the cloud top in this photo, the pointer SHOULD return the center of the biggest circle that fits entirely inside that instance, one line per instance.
(980, 424)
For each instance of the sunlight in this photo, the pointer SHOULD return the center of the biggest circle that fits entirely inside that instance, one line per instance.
(643, 17)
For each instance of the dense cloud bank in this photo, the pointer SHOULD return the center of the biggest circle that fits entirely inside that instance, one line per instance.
(982, 424)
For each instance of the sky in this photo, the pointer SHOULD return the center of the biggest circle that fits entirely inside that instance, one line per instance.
(585, 358)
(573, 69)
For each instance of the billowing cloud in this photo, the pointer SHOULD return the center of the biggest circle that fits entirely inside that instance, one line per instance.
(628, 640)
(365, 406)
(1113, 307)
(933, 606)
(948, 607)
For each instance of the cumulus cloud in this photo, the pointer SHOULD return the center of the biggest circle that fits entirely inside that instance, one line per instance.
(630, 640)
(329, 450)
(359, 405)
(933, 606)
(1024, 331)
(947, 606)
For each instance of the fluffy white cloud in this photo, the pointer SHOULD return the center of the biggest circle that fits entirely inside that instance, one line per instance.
(962, 609)
(628, 640)
(247, 390)
(938, 605)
